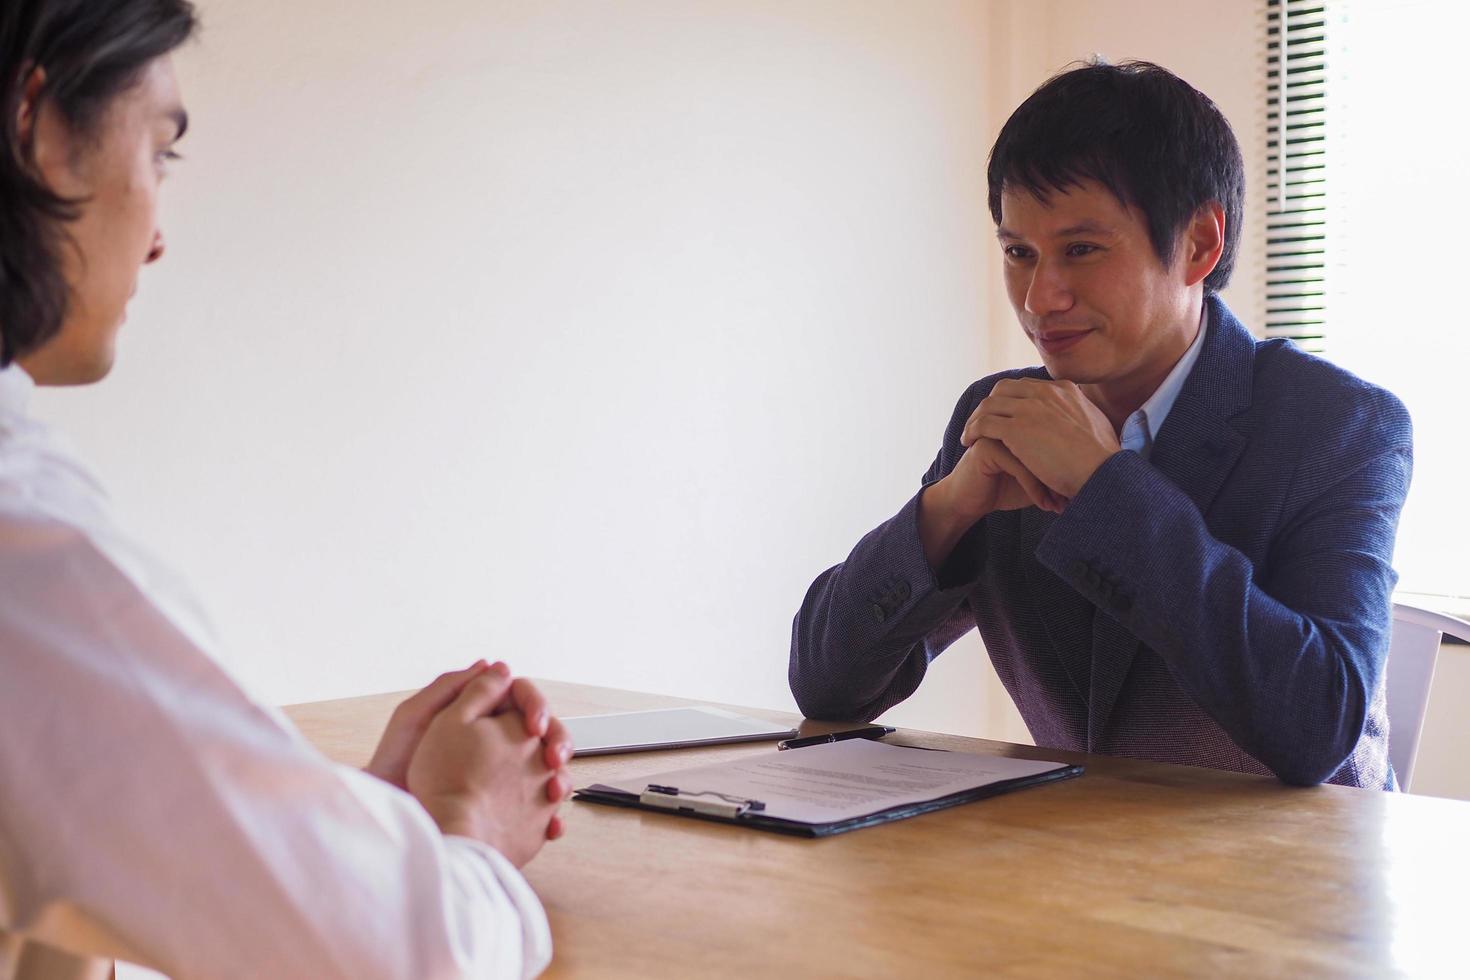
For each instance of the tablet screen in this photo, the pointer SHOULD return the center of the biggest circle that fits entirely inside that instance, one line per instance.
(667, 728)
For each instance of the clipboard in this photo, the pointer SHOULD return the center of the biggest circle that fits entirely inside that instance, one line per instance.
(705, 802)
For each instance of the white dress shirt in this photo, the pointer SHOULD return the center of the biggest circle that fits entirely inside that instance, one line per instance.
(152, 812)
(1142, 427)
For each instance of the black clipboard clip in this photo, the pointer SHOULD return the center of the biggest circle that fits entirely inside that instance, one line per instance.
(723, 805)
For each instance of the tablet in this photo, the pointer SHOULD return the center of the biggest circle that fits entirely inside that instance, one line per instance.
(667, 728)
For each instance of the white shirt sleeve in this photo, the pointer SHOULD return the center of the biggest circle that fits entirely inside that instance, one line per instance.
(150, 811)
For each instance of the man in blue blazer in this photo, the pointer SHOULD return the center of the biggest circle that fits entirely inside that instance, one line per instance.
(1174, 539)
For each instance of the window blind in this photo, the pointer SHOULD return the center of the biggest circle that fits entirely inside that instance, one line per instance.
(1296, 171)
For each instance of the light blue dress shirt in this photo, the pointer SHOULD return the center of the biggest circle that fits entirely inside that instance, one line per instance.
(1142, 427)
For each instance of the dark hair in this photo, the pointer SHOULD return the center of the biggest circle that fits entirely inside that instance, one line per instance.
(91, 52)
(1139, 130)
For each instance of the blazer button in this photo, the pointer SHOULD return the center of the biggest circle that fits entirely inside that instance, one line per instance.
(879, 613)
(1122, 603)
(1080, 569)
(902, 592)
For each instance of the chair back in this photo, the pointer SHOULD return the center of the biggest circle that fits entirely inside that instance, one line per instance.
(1411, 657)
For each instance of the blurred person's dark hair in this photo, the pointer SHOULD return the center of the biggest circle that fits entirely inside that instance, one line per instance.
(1157, 143)
(88, 53)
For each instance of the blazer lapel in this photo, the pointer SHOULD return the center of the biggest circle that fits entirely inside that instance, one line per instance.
(1196, 449)
(1199, 443)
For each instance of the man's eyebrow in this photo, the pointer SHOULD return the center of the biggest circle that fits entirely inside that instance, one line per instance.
(1084, 228)
(181, 120)
(1088, 227)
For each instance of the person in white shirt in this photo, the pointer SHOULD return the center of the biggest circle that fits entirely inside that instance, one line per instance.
(150, 810)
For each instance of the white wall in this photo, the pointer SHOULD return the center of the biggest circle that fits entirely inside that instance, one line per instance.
(578, 334)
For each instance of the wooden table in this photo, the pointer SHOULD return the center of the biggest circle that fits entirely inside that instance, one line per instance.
(1135, 869)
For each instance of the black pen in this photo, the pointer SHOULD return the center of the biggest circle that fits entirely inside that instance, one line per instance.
(872, 731)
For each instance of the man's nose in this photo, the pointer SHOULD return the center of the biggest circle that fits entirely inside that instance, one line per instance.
(156, 252)
(1048, 291)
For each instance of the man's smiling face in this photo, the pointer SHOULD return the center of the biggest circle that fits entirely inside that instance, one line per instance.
(1090, 290)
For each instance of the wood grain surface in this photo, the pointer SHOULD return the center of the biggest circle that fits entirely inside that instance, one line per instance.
(1134, 870)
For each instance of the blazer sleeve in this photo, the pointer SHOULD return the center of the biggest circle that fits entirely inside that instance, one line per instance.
(1285, 656)
(869, 627)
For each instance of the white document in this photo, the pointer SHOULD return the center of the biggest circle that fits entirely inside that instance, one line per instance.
(841, 780)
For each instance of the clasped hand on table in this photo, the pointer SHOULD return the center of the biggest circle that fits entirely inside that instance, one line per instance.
(482, 753)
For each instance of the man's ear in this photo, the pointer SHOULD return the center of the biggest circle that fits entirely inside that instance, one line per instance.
(30, 99)
(1203, 242)
(46, 139)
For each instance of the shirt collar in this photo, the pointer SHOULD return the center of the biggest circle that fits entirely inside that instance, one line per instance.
(1142, 427)
(15, 391)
